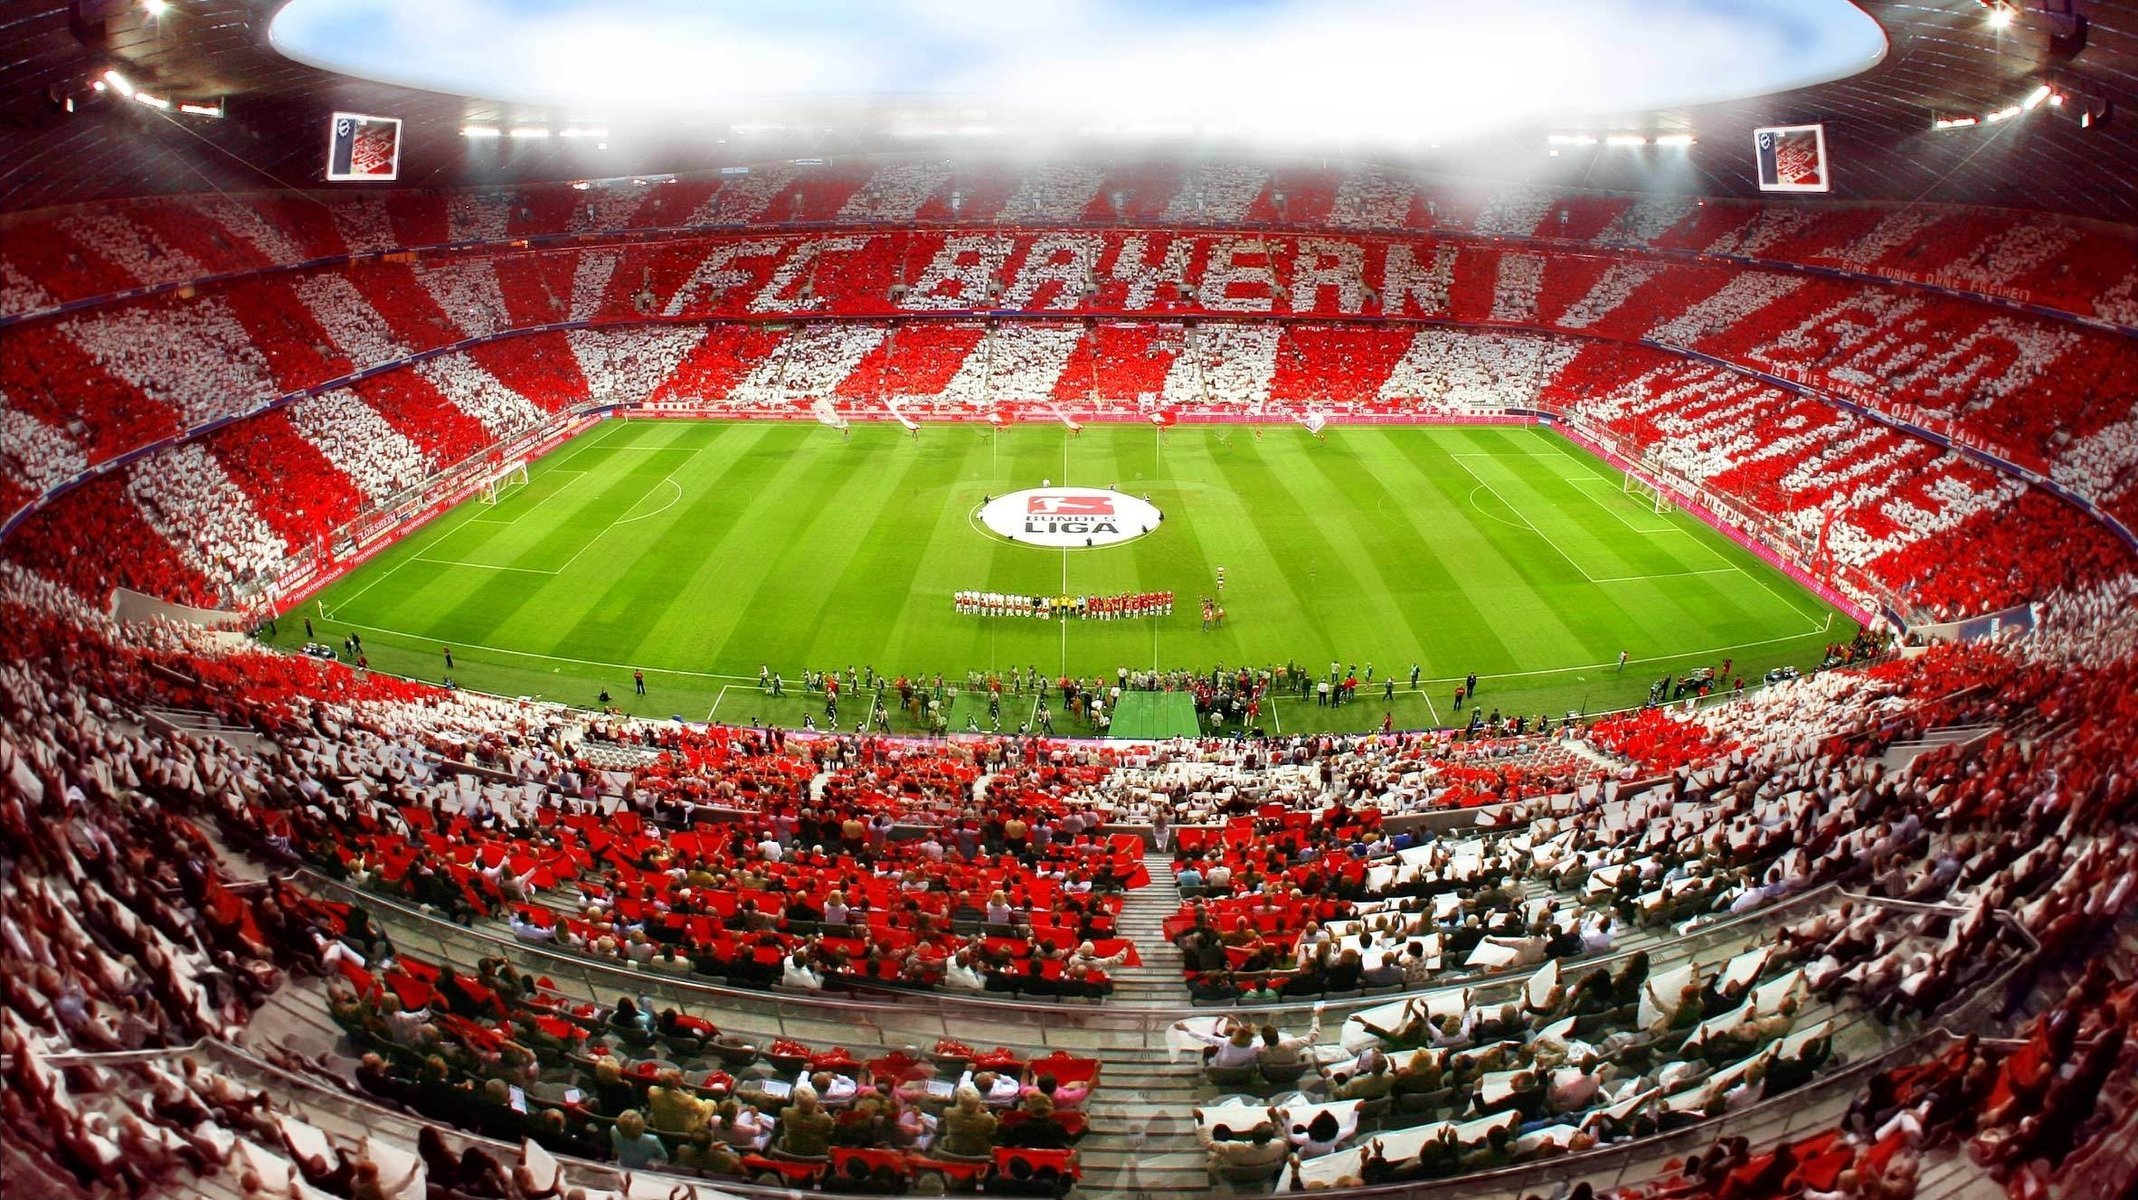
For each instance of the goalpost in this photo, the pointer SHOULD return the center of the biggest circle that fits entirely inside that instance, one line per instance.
(1647, 490)
(513, 474)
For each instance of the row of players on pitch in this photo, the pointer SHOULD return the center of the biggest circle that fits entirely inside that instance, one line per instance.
(1092, 608)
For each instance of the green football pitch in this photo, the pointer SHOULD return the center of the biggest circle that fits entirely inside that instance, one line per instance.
(698, 551)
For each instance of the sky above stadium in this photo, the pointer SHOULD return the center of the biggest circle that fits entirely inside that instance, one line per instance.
(1403, 70)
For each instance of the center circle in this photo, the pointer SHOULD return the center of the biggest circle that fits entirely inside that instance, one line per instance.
(1069, 518)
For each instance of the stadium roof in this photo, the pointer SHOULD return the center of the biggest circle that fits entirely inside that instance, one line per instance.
(63, 141)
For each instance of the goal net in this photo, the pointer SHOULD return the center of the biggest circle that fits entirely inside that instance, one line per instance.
(1647, 491)
(511, 475)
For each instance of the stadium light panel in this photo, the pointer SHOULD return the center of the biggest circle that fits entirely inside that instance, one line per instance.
(2034, 98)
(202, 110)
(1676, 139)
(155, 8)
(480, 131)
(584, 133)
(1626, 139)
(156, 102)
(119, 84)
(2000, 17)
(529, 131)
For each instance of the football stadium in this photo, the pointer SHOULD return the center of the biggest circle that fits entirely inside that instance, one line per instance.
(702, 601)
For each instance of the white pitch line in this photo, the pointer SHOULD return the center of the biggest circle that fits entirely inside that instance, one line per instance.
(454, 562)
(1481, 509)
(615, 521)
(1599, 502)
(1551, 439)
(562, 658)
(1664, 575)
(673, 501)
(600, 440)
(1526, 522)
(539, 501)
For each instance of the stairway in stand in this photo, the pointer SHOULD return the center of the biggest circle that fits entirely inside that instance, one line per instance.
(1144, 912)
(1142, 1140)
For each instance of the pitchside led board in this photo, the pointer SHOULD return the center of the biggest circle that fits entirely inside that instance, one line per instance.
(361, 147)
(1792, 158)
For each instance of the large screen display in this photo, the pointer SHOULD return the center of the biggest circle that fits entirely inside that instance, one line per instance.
(1792, 158)
(361, 147)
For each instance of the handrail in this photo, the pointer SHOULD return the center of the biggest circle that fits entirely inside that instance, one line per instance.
(1796, 1110)
(1589, 1164)
(924, 1017)
(92, 1058)
(374, 1114)
(1802, 1103)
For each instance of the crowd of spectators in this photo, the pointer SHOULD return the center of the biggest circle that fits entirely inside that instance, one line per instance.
(132, 945)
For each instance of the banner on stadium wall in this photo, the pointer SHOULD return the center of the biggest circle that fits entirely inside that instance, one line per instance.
(1987, 625)
(1792, 158)
(361, 147)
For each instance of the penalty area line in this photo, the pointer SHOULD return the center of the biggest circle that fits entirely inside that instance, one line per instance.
(605, 436)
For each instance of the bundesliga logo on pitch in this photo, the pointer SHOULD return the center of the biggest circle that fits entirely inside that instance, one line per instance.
(1069, 518)
(1046, 513)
